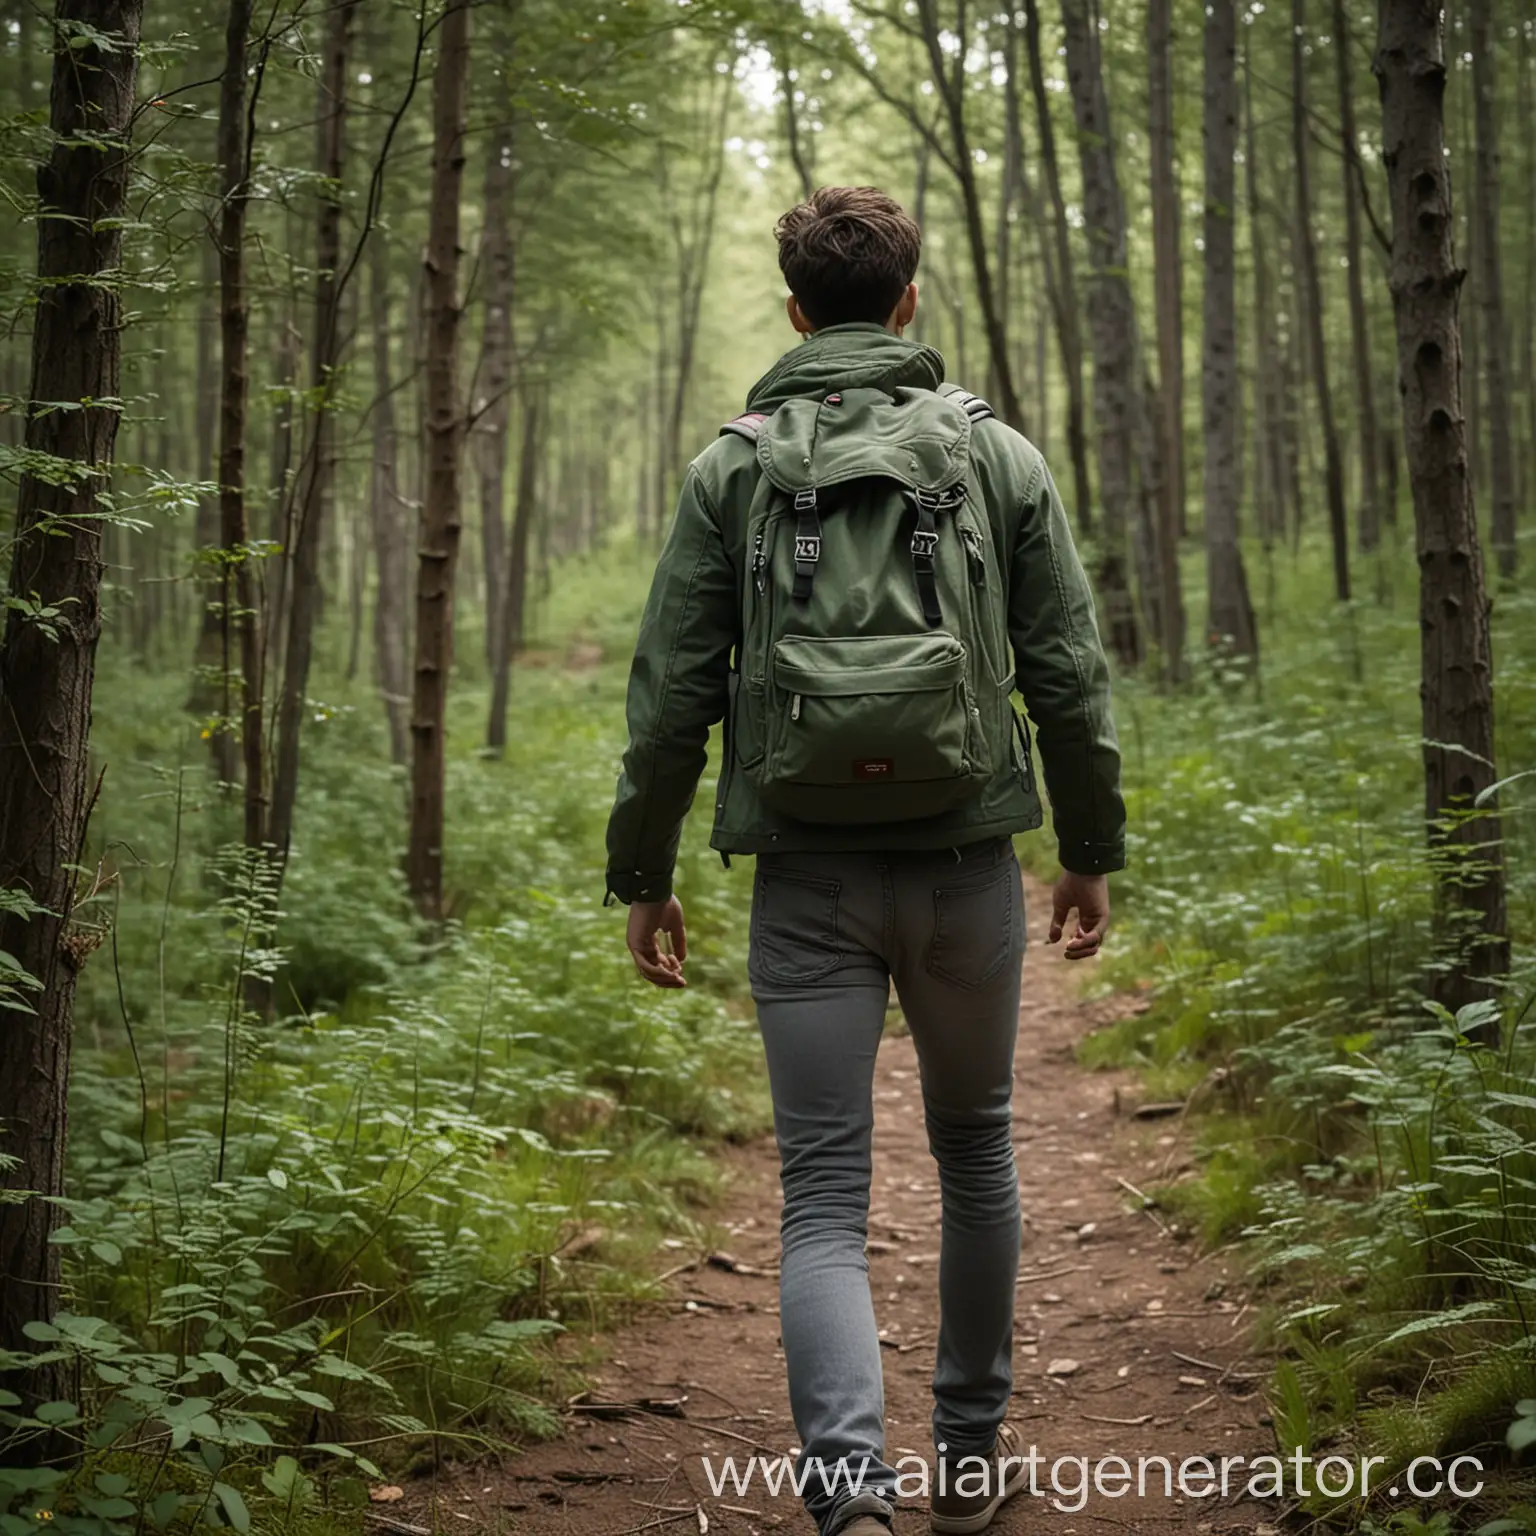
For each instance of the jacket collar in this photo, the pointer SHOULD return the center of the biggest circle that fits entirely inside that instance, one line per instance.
(847, 357)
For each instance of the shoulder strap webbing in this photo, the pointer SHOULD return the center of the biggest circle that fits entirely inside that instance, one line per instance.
(973, 405)
(747, 426)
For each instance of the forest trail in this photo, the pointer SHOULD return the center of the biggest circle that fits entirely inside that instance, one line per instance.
(1156, 1331)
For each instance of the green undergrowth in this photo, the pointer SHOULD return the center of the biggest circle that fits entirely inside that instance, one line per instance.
(381, 1229)
(1377, 1167)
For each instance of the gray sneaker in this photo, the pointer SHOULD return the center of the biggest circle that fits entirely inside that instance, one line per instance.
(955, 1514)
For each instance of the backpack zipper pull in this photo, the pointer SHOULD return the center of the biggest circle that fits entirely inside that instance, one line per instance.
(794, 708)
(757, 561)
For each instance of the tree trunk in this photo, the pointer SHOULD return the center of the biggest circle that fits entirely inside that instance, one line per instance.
(1064, 291)
(1229, 622)
(1168, 284)
(793, 139)
(239, 614)
(1112, 321)
(1490, 292)
(515, 600)
(47, 668)
(1269, 459)
(494, 426)
(206, 698)
(691, 250)
(950, 82)
(438, 553)
(1312, 305)
(317, 472)
(390, 515)
(1359, 330)
(1455, 649)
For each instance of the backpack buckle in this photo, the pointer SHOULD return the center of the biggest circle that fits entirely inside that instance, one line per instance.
(924, 544)
(808, 547)
(805, 500)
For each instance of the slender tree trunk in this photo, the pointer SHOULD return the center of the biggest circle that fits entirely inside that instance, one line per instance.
(793, 138)
(279, 490)
(1064, 291)
(515, 600)
(206, 698)
(1112, 322)
(1369, 524)
(437, 558)
(313, 493)
(950, 82)
(498, 259)
(1229, 624)
(391, 517)
(240, 617)
(1168, 281)
(47, 670)
(1312, 305)
(692, 246)
(1490, 291)
(1455, 647)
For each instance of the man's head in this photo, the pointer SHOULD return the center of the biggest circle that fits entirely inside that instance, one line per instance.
(848, 254)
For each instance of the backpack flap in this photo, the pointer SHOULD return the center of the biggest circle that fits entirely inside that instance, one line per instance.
(917, 438)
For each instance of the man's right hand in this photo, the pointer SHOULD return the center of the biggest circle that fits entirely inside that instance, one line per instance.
(646, 920)
(1089, 896)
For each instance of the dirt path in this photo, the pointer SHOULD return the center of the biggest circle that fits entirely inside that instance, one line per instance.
(1127, 1342)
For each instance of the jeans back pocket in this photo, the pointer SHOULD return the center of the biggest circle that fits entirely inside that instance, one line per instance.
(794, 926)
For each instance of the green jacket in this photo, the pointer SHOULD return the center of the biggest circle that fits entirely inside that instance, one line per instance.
(680, 682)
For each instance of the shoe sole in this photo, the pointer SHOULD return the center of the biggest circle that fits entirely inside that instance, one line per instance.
(969, 1525)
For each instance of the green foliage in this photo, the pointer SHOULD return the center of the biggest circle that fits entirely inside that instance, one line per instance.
(1379, 1159)
(300, 1250)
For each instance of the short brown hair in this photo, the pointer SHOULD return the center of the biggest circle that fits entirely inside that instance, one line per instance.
(847, 254)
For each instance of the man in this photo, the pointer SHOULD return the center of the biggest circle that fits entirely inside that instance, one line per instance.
(861, 569)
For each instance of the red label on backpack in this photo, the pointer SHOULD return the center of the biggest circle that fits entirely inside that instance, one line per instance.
(873, 768)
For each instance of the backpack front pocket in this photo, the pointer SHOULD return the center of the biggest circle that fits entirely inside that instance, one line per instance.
(871, 728)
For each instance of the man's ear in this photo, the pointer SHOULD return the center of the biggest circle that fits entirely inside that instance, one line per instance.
(905, 311)
(797, 316)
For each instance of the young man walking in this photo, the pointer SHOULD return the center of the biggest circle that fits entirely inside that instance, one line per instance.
(862, 570)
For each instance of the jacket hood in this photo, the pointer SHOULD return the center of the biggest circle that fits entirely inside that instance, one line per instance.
(847, 357)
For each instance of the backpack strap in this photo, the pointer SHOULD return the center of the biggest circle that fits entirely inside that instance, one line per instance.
(807, 542)
(747, 426)
(973, 405)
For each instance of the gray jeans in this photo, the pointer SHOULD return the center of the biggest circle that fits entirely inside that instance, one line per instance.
(830, 933)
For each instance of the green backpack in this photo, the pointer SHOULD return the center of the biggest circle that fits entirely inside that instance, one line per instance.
(873, 676)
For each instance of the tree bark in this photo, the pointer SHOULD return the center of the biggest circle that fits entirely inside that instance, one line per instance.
(48, 659)
(238, 610)
(317, 472)
(1369, 523)
(950, 83)
(1312, 305)
(1455, 648)
(515, 600)
(1063, 295)
(1112, 323)
(1270, 492)
(498, 258)
(390, 515)
(438, 553)
(1229, 623)
(1168, 277)
(1490, 292)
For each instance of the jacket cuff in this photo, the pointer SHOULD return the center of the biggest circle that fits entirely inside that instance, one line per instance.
(1079, 858)
(635, 885)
